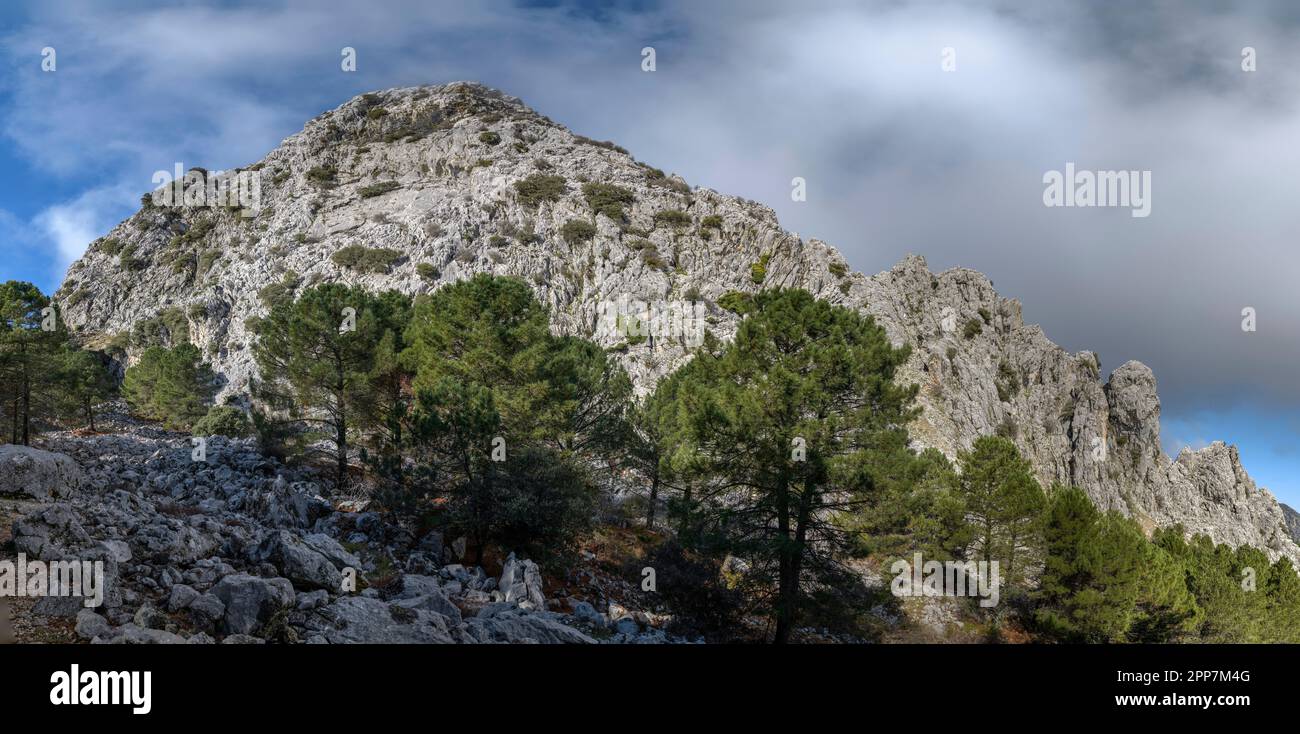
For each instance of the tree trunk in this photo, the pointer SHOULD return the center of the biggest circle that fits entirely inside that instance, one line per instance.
(654, 499)
(785, 576)
(27, 410)
(790, 589)
(341, 439)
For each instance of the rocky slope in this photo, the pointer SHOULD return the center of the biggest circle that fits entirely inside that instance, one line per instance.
(430, 172)
(238, 548)
(1292, 519)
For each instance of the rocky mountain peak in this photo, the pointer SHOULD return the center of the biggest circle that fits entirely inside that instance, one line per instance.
(416, 187)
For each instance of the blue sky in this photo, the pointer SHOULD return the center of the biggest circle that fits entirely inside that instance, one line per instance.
(899, 156)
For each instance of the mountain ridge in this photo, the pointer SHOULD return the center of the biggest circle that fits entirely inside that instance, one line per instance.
(430, 174)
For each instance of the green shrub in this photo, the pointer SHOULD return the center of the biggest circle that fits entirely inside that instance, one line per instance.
(487, 137)
(985, 315)
(323, 175)
(656, 177)
(607, 199)
(110, 246)
(366, 259)
(275, 292)
(540, 187)
(972, 329)
(701, 602)
(224, 420)
(428, 272)
(1008, 428)
(378, 189)
(374, 113)
(673, 218)
(838, 269)
(606, 144)
(76, 297)
(578, 230)
(128, 261)
(208, 259)
(713, 221)
(168, 328)
(758, 271)
(1008, 383)
(736, 302)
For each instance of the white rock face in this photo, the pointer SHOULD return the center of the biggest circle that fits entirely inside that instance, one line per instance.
(454, 153)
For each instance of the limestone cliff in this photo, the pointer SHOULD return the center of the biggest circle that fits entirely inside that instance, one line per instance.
(425, 178)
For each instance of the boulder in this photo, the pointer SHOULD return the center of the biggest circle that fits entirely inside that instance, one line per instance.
(521, 583)
(132, 634)
(50, 534)
(333, 550)
(207, 609)
(250, 601)
(357, 619)
(91, 625)
(505, 623)
(181, 597)
(41, 475)
(298, 561)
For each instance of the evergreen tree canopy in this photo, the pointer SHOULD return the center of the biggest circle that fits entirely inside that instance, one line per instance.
(1091, 569)
(173, 385)
(317, 359)
(502, 407)
(1003, 501)
(29, 359)
(785, 431)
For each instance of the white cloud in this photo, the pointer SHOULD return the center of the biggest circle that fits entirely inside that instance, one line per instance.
(899, 156)
(71, 226)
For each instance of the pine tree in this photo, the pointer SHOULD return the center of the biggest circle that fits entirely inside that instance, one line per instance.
(316, 357)
(1003, 501)
(1092, 569)
(1213, 580)
(173, 385)
(1166, 611)
(645, 443)
(502, 406)
(1283, 595)
(486, 331)
(920, 509)
(30, 341)
(785, 429)
(85, 382)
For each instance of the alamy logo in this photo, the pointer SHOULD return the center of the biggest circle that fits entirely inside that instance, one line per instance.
(199, 188)
(1130, 189)
(662, 320)
(947, 578)
(93, 688)
(83, 579)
